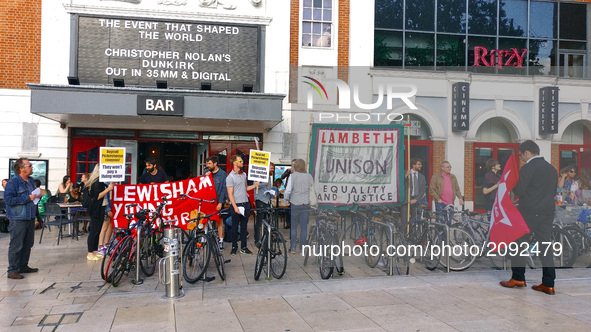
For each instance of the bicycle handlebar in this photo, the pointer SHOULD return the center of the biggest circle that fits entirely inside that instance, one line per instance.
(183, 196)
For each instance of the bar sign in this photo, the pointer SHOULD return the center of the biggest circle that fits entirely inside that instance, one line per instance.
(548, 122)
(160, 105)
(460, 107)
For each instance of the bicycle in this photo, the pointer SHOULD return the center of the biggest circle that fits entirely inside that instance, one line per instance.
(202, 245)
(123, 260)
(321, 238)
(271, 246)
(425, 234)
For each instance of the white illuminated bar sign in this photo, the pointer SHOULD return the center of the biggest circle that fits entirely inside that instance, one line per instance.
(160, 105)
(548, 117)
(460, 107)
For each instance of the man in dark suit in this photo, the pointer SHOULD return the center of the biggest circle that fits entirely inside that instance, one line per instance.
(536, 188)
(418, 190)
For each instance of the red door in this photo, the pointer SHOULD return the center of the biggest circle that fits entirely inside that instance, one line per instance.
(84, 156)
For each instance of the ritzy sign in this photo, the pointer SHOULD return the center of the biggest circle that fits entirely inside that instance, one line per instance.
(499, 58)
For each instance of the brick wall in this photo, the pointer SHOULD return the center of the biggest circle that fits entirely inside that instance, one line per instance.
(468, 171)
(343, 41)
(438, 155)
(20, 42)
(555, 157)
(294, 33)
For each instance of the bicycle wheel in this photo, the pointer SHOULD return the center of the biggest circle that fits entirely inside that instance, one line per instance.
(278, 254)
(218, 258)
(372, 258)
(196, 258)
(401, 262)
(582, 239)
(120, 263)
(312, 244)
(459, 249)
(261, 257)
(354, 230)
(148, 257)
(430, 239)
(566, 253)
(326, 267)
(108, 256)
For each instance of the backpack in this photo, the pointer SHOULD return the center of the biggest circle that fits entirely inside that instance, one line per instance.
(86, 199)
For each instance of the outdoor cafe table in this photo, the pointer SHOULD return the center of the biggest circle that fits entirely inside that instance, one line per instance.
(69, 207)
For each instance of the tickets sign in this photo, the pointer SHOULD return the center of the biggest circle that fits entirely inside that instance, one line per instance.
(149, 196)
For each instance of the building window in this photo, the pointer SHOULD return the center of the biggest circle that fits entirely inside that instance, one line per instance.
(510, 37)
(317, 23)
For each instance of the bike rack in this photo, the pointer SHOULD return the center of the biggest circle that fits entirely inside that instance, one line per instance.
(170, 265)
(137, 280)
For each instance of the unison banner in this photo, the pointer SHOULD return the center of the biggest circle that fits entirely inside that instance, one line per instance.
(357, 164)
(148, 196)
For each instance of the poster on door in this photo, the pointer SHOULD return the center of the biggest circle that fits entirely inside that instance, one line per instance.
(112, 164)
(357, 164)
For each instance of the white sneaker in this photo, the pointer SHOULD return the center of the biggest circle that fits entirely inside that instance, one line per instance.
(221, 243)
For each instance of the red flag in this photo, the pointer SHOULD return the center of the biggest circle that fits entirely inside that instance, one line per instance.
(506, 224)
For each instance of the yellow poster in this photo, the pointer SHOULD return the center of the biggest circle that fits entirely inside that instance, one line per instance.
(258, 165)
(112, 165)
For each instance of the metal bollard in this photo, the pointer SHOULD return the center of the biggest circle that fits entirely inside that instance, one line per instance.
(169, 265)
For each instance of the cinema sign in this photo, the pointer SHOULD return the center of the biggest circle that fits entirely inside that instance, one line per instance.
(499, 58)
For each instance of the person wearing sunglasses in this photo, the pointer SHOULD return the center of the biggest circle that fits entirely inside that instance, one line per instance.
(21, 210)
(566, 181)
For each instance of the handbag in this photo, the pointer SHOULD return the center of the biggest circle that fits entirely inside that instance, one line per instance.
(313, 197)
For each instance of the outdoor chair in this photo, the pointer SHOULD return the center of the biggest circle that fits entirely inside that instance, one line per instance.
(60, 219)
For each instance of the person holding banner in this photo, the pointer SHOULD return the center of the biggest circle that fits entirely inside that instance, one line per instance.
(490, 186)
(219, 183)
(153, 174)
(444, 189)
(297, 194)
(238, 196)
(97, 191)
(418, 190)
(536, 188)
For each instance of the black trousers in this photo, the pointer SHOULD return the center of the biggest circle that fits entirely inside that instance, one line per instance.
(540, 226)
(94, 232)
(242, 221)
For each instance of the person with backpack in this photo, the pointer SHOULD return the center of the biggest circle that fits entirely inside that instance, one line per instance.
(92, 199)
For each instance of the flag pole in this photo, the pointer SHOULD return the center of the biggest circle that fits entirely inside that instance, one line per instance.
(409, 178)
(309, 138)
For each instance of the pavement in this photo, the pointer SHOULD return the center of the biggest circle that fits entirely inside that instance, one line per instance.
(67, 294)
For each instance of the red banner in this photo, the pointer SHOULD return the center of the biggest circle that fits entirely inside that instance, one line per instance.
(506, 224)
(148, 196)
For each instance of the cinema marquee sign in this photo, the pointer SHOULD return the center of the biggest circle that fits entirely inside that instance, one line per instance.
(183, 53)
(499, 58)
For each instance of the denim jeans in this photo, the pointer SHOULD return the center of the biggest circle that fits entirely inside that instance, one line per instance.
(299, 216)
(22, 237)
(439, 207)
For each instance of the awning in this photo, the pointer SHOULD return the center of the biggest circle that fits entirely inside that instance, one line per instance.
(83, 106)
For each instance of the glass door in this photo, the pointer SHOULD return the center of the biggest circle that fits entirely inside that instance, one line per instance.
(572, 65)
(483, 152)
(131, 157)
